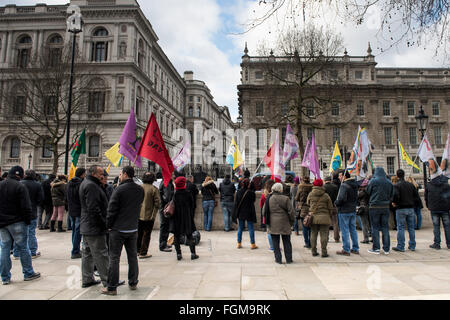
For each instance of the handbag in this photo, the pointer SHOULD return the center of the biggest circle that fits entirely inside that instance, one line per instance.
(214, 197)
(169, 209)
(308, 220)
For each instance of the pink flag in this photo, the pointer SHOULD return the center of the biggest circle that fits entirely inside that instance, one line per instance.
(290, 146)
(129, 144)
(273, 160)
(311, 159)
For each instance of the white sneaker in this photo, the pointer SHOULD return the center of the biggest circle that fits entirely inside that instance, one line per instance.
(373, 251)
(386, 252)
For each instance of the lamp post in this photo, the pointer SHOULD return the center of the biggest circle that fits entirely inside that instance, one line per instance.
(74, 26)
(396, 121)
(29, 161)
(422, 122)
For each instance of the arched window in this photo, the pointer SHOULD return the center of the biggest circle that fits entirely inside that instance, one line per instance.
(14, 150)
(55, 47)
(99, 51)
(24, 51)
(47, 150)
(94, 146)
(190, 112)
(199, 112)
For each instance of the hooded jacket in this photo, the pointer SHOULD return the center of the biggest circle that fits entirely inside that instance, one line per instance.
(151, 203)
(380, 190)
(348, 196)
(437, 194)
(227, 191)
(58, 193)
(15, 203)
(209, 190)
(73, 197)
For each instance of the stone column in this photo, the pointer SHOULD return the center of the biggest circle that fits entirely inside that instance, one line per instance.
(3, 47)
(40, 43)
(10, 48)
(115, 44)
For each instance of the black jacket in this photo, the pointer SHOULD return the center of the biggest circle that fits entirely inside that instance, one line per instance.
(47, 189)
(347, 197)
(73, 197)
(192, 188)
(209, 190)
(405, 195)
(246, 209)
(227, 191)
(125, 207)
(166, 193)
(36, 195)
(437, 194)
(332, 190)
(93, 207)
(15, 205)
(182, 222)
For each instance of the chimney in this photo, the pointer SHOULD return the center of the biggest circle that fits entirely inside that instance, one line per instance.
(188, 75)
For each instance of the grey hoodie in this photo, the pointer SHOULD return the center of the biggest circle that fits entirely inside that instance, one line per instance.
(380, 190)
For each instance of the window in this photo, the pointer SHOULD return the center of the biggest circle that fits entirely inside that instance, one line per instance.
(190, 112)
(259, 75)
(309, 133)
(412, 136)
(94, 146)
(47, 150)
(199, 99)
(199, 112)
(55, 44)
(310, 109)
(386, 108)
(435, 108)
(336, 135)
(360, 108)
(284, 109)
(333, 74)
(411, 108)
(191, 98)
(259, 109)
(335, 109)
(19, 105)
(99, 46)
(24, 51)
(388, 136)
(96, 102)
(438, 135)
(50, 105)
(390, 165)
(358, 75)
(14, 151)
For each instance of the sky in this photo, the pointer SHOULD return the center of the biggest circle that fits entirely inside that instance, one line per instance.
(206, 37)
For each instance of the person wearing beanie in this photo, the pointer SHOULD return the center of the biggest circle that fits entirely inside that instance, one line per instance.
(182, 221)
(302, 195)
(15, 217)
(318, 183)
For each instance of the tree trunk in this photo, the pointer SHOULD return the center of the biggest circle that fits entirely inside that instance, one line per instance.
(55, 159)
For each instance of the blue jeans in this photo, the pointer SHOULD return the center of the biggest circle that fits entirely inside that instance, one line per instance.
(227, 210)
(306, 234)
(269, 237)
(32, 241)
(208, 210)
(406, 216)
(76, 235)
(418, 213)
(17, 232)
(437, 216)
(295, 225)
(347, 224)
(379, 218)
(251, 231)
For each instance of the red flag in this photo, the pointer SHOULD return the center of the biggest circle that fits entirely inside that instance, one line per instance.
(153, 148)
(268, 159)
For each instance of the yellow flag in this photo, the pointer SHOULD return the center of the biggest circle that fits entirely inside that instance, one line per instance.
(72, 171)
(406, 157)
(114, 156)
(107, 169)
(336, 159)
(234, 157)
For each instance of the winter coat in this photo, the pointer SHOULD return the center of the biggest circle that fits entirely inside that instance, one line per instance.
(437, 194)
(244, 207)
(182, 221)
(125, 207)
(35, 193)
(347, 197)
(332, 189)
(166, 193)
(227, 191)
(287, 188)
(405, 195)
(293, 194)
(209, 190)
(73, 197)
(94, 206)
(108, 189)
(151, 203)
(302, 195)
(363, 202)
(46, 187)
(320, 206)
(282, 214)
(192, 188)
(58, 193)
(15, 205)
(380, 190)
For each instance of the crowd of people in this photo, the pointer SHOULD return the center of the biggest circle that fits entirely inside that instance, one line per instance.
(105, 218)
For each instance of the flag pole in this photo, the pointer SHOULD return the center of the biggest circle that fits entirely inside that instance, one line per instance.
(254, 174)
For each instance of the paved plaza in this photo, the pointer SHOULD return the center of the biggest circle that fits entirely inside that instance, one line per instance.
(224, 272)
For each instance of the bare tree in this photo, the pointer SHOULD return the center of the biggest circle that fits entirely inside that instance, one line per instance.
(36, 99)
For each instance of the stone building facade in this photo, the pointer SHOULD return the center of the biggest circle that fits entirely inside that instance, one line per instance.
(128, 68)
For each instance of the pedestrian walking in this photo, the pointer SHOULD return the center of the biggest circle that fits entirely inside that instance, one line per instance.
(279, 215)
(149, 210)
(418, 206)
(47, 203)
(209, 190)
(321, 209)
(293, 194)
(266, 192)
(59, 202)
(302, 195)
(166, 195)
(74, 206)
(331, 187)
(15, 217)
(346, 205)
(244, 211)
(227, 192)
(362, 210)
(122, 222)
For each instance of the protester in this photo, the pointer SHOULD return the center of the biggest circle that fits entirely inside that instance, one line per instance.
(244, 211)
(227, 191)
(94, 206)
(321, 209)
(437, 199)
(405, 199)
(279, 215)
(182, 222)
(107, 188)
(266, 191)
(332, 189)
(418, 206)
(209, 190)
(15, 217)
(392, 216)
(74, 204)
(346, 205)
(36, 195)
(47, 203)
(59, 202)
(166, 195)
(192, 188)
(122, 222)
(302, 195)
(288, 184)
(293, 193)
(362, 211)
(149, 210)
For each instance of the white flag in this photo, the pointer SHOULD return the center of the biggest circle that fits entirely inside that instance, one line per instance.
(425, 152)
(446, 158)
(183, 157)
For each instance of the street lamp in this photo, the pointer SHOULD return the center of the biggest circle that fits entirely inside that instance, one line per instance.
(422, 122)
(74, 26)
(29, 161)
(396, 121)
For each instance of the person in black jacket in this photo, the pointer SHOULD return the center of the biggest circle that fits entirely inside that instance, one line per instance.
(227, 191)
(437, 199)
(15, 217)
(209, 191)
(244, 211)
(332, 189)
(73, 201)
(122, 222)
(93, 228)
(166, 194)
(192, 188)
(363, 210)
(47, 203)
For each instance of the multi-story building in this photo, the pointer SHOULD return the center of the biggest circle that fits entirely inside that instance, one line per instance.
(383, 100)
(118, 49)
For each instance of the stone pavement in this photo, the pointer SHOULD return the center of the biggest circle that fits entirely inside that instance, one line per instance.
(224, 272)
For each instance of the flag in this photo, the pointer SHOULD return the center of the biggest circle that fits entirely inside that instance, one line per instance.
(129, 143)
(183, 157)
(353, 161)
(406, 157)
(290, 146)
(234, 157)
(79, 148)
(109, 168)
(153, 148)
(311, 159)
(336, 159)
(363, 153)
(114, 156)
(72, 171)
(426, 155)
(273, 160)
(446, 158)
